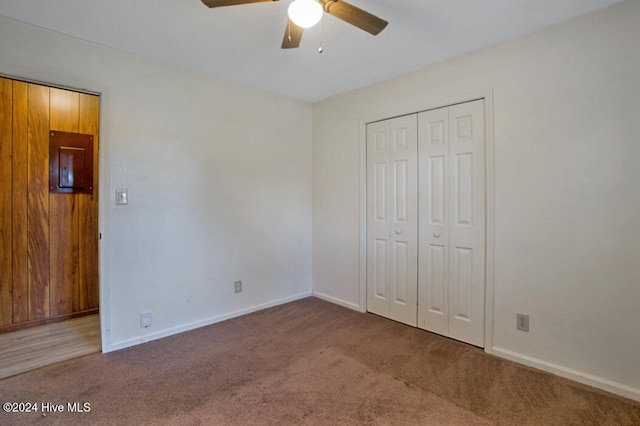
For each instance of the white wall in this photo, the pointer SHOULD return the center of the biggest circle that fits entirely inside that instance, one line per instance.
(567, 190)
(219, 181)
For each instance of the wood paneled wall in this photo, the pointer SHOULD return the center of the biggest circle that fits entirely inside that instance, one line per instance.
(48, 242)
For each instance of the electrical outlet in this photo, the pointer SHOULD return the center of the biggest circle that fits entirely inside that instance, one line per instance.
(145, 320)
(237, 286)
(522, 322)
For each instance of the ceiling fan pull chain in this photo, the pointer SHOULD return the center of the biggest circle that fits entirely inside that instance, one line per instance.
(320, 49)
(289, 30)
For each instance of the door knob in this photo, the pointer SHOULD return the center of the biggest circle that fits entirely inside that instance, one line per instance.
(436, 234)
(398, 231)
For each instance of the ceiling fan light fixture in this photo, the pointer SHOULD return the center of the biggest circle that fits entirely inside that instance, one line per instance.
(305, 13)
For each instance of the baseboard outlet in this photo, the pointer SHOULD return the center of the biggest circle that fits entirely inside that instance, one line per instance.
(203, 323)
(337, 301)
(568, 373)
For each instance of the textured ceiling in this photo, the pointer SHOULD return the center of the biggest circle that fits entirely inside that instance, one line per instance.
(242, 43)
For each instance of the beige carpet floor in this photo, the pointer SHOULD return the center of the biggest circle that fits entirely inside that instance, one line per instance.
(308, 363)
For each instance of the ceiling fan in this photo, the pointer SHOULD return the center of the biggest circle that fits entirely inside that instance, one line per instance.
(338, 8)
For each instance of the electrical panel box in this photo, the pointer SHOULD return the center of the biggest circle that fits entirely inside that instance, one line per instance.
(70, 163)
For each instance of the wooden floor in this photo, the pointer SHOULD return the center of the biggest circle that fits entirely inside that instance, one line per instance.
(36, 347)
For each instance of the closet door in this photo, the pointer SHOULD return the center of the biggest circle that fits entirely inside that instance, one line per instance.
(392, 219)
(452, 221)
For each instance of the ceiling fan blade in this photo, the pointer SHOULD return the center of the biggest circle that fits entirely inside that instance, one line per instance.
(354, 16)
(292, 36)
(219, 3)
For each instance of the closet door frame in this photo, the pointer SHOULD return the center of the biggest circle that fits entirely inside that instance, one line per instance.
(425, 105)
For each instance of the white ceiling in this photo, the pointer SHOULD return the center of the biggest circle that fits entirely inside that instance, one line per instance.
(242, 43)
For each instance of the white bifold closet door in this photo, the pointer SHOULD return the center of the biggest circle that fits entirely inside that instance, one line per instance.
(451, 283)
(392, 219)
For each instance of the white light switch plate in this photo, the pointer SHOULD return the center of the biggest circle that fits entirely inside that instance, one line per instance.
(121, 196)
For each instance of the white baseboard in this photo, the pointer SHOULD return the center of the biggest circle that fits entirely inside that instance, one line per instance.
(207, 321)
(568, 373)
(337, 301)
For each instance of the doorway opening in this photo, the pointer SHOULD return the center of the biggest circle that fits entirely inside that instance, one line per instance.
(49, 270)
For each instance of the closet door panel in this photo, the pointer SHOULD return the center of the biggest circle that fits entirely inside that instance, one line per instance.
(392, 218)
(452, 221)
(378, 221)
(433, 287)
(467, 300)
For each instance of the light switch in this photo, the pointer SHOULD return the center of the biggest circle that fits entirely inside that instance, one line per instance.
(121, 196)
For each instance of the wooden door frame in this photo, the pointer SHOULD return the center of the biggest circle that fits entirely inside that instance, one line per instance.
(429, 104)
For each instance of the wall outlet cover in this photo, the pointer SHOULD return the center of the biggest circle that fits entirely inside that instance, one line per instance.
(522, 322)
(145, 320)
